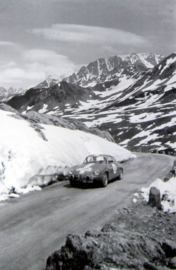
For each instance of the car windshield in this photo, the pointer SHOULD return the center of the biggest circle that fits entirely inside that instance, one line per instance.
(95, 159)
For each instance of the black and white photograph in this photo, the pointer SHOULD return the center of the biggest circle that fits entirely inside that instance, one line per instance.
(87, 134)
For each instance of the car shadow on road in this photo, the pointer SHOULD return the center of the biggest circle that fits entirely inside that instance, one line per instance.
(82, 186)
(88, 186)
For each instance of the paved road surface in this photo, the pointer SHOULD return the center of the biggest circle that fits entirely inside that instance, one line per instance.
(35, 225)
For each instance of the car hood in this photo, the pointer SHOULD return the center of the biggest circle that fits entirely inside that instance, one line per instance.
(87, 168)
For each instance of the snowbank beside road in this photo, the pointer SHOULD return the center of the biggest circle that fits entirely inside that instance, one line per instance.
(167, 193)
(26, 151)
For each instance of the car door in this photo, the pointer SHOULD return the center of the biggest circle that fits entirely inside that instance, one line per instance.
(112, 168)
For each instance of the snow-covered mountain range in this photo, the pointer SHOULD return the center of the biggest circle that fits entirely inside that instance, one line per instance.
(132, 97)
(50, 81)
(6, 94)
(115, 67)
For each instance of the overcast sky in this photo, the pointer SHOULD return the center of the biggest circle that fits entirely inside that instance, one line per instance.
(57, 37)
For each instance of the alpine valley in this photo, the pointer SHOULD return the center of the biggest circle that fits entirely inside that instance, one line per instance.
(133, 97)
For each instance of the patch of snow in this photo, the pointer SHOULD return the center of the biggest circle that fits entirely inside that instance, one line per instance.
(125, 142)
(167, 193)
(43, 110)
(118, 90)
(108, 64)
(98, 67)
(169, 87)
(168, 63)
(143, 133)
(90, 84)
(149, 101)
(29, 108)
(169, 124)
(156, 143)
(136, 194)
(27, 189)
(13, 195)
(144, 117)
(120, 133)
(103, 119)
(146, 63)
(147, 139)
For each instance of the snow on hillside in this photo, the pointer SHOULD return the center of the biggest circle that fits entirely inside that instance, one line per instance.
(27, 151)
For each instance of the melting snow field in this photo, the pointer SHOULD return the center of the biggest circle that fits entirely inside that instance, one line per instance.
(26, 152)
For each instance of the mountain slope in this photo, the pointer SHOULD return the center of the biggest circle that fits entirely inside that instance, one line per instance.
(55, 98)
(143, 115)
(138, 110)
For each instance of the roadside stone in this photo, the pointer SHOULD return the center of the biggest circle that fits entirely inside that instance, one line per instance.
(154, 198)
(172, 263)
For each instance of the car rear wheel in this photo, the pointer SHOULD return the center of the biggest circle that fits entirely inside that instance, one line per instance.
(105, 180)
(72, 183)
(120, 174)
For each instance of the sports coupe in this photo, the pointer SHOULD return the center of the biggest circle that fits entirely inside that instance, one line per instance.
(96, 169)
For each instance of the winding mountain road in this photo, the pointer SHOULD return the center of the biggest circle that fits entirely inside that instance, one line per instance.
(36, 224)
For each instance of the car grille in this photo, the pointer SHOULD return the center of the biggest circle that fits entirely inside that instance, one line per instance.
(77, 177)
(87, 178)
(81, 178)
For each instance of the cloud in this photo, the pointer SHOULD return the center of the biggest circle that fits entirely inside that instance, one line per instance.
(49, 62)
(89, 35)
(33, 67)
(9, 45)
(46, 56)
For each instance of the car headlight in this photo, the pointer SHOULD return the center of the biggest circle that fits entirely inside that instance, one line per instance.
(97, 172)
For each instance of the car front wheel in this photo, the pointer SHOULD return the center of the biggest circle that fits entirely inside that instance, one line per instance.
(105, 180)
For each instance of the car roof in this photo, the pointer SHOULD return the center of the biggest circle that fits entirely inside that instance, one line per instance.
(104, 155)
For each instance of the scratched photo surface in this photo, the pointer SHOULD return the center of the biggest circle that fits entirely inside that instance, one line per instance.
(96, 79)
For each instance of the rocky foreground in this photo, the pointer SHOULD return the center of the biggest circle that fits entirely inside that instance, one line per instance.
(141, 237)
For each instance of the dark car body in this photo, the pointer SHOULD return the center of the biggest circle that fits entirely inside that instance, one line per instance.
(96, 168)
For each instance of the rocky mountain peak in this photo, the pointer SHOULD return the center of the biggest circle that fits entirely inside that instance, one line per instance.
(106, 69)
(134, 58)
(165, 69)
(50, 81)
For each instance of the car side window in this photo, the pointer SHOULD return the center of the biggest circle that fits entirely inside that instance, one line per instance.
(110, 160)
(89, 159)
(100, 159)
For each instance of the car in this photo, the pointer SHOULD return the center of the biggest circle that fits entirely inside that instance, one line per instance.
(96, 169)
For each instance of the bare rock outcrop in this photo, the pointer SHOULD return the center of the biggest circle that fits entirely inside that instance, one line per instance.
(127, 250)
(140, 238)
(35, 117)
